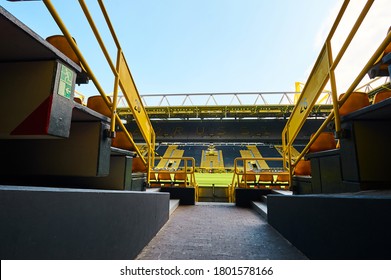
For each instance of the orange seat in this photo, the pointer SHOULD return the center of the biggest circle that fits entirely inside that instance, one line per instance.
(303, 168)
(180, 176)
(164, 179)
(61, 43)
(152, 180)
(282, 178)
(356, 101)
(382, 95)
(250, 180)
(325, 141)
(265, 178)
(386, 51)
(77, 100)
(138, 165)
(97, 104)
(181, 179)
(121, 141)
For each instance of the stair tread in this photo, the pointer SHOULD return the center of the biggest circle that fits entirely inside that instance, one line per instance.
(118, 151)
(83, 113)
(174, 203)
(260, 207)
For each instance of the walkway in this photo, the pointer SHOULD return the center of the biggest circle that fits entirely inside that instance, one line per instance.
(211, 231)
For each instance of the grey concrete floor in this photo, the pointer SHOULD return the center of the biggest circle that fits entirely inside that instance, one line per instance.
(218, 231)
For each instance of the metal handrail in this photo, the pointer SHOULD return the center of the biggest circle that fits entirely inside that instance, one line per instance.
(355, 83)
(187, 170)
(208, 99)
(123, 80)
(245, 171)
(288, 139)
(238, 172)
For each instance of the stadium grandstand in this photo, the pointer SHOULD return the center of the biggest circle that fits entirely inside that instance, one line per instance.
(114, 167)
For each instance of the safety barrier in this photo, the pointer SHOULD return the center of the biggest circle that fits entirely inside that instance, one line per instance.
(178, 177)
(123, 81)
(272, 178)
(322, 73)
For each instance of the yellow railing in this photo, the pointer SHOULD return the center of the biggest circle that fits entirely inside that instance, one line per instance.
(122, 81)
(322, 73)
(188, 169)
(244, 172)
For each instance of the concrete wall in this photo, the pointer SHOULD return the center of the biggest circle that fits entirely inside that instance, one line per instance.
(334, 226)
(49, 223)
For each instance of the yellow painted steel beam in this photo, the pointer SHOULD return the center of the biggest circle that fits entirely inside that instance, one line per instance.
(352, 33)
(132, 96)
(237, 172)
(98, 37)
(361, 75)
(316, 82)
(114, 69)
(188, 170)
(122, 75)
(312, 89)
(109, 24)
(75, 48)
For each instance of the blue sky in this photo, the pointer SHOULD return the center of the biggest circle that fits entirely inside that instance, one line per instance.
(189, 46)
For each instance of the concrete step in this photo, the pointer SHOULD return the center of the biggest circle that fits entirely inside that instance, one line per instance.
(153, 190)
(174, 203)
(260, 207)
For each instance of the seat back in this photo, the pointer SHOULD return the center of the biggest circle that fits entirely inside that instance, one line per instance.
(165, 179)
(180, 179)
(382, 95)
(97, 104)
(356, 100)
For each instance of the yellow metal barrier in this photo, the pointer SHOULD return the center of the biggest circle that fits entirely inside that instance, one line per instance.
(322, 73)
(188, 169)
(123, 80)
(258, 183)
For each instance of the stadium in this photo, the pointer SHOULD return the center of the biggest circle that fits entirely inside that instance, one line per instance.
(98, 177)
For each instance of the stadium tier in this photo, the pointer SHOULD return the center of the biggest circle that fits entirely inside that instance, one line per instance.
(228, 152)
(85, 179)
(244, 130)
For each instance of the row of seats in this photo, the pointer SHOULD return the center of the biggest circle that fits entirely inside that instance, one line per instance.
(98, 104)
(326, 140)
(120, 140)
(264, 181)
(168, 179)
(228, 153)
